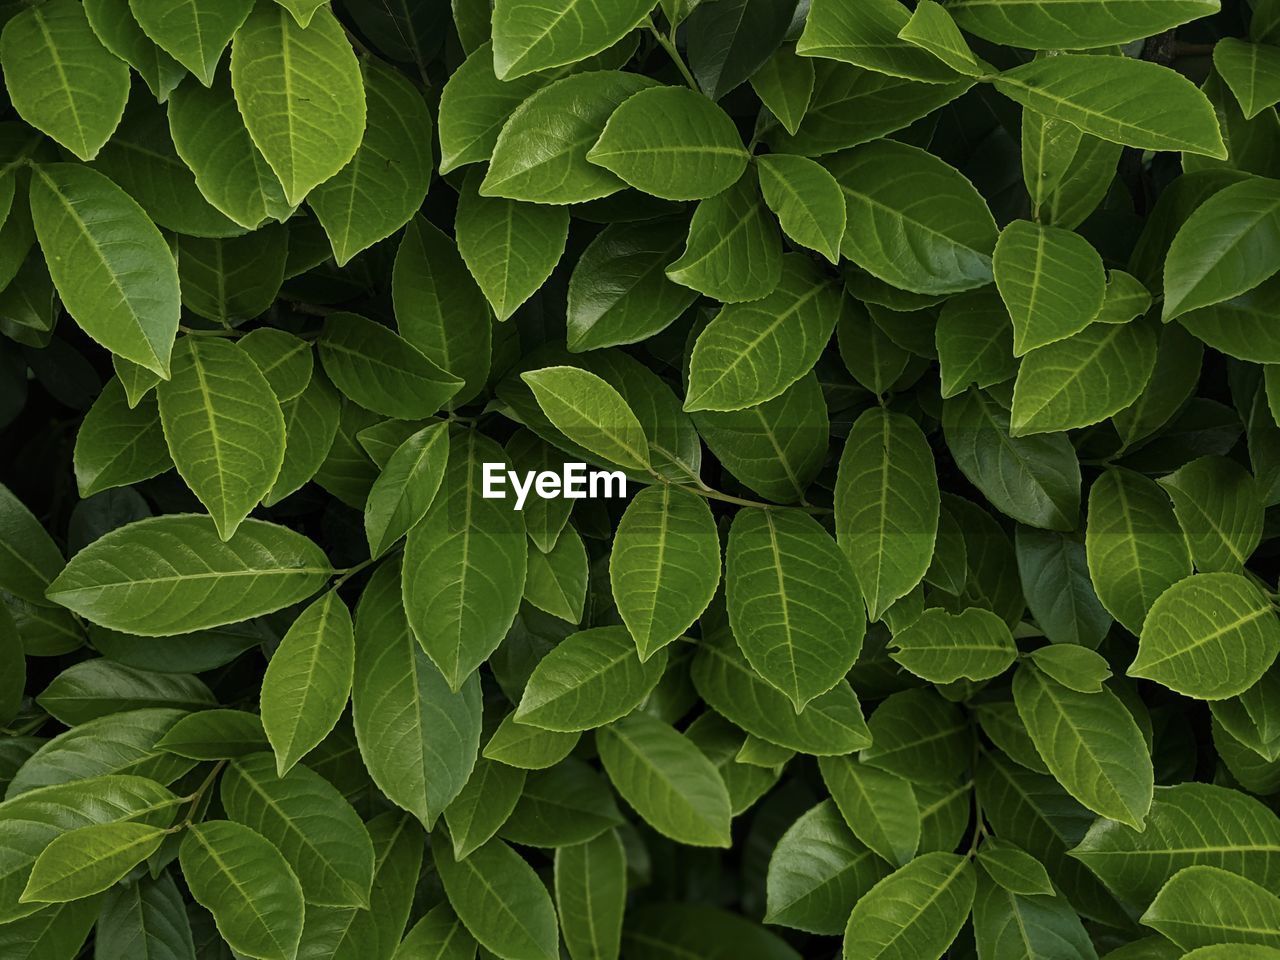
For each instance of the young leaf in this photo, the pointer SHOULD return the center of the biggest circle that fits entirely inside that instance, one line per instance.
(526, 39)
(879, 807)
(86, 861)
(591, 894)
(807, 200)
(193, 32)
(405, 489)
(937, 890)
(1203, 905)
(943, 647)
(590, 412)
(868, 37)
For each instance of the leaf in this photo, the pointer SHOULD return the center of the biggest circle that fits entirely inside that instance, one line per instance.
(173, 574)
(479, 811)
(1111, 97)
(29, 559)
(672, 143)
(308, 680)
(668, 780)
(879, 807)
(752, 352)
(418, 738)
(439, 935)
(1014, 869)
(807, 200)
(917, 735)
(193, 32)
(60, 77)
(528, 36)
(1201, 906)
(285, 360)
(1210, 636)
(149, 915)
(509, 246)
(932, 29)
(886, 507)
(101, 687)
(1051, 280)
(311, 423)
(1072, 25)
(943, 647)
(86, 861)
(733, 253)
(384, 184)
(1220, 511)
(665, 565)
(799, 634)
(1054, 572)
(309, 822)
(381, 371)
(655, 931)
(1078, 668)
(935, 890)
(591, 893)
(868, 37)
(541, 153)
(247, 886)
(590, 412)
(528, 747)
(500, 900)
(944, 246)
(1007, 924)
(215, 735)
(1252, 71)
(112, 268)
(818, 871)
(1090, 743)
(301, 94)
(974, 346)
(224, 428)
(463, 579)
(114, 23)
(784, 83)
(562, 806)
(406, 487)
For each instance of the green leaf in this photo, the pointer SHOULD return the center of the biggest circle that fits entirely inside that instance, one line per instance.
(509, 246)
(285, 360)
(556, 581)
(975, 342)
(733, 252)
(1078, 668)
(886, 506)
(1054, 572)
(672, 143)
(867, 36)
(591, 894)
(483, 806)
(944, 246)
(667, 779)
(1008, 925)
(311, 423)
(114, 23)
(86, 861)
(798, 633)
(527, 747)
(541, 153)
(592, 413)
(916, 911)
(1244, 218)
(380, 370)
(148, 915)
(308, 680)
(193, 32)
(1110, 98)
(248, 887)
(29, 559)
(224, 428)
(528, 36)
(56, 933)
(919, 736)
(1252, 71)
(309, 822)
(60, 77)
(99, 687)
(215, 735)
(664, 931)
(665, 565)
(562, 806)
(384, 184)
(752, 352)
(1013, 868)
(405, 489)
(943, 647)
(1201, 906)
(807, 200)
(1134, 547)
(1071, 24)
(174, 574)
(729, 41)
(1051, 280)
(931, 28)
(1035, 480)
(439, 935)
(1209, 636)
(818, 871)
(879, 807)
(1220, 510)
(418, 738)
(784, 83)
(463, 578)
(1090, 743)
(112, 268)
(500, 900)
(301, 94)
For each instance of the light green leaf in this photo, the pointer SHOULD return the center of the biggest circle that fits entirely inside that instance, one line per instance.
(302, 10)
(886, 506)
(915, 912)
(405, 489)
(1202, 905)
(528, 747)
(224, 428)
(1209, 636)
(1111, 98)
(943, 647)
(1220, 510)
(285, 360)
(248, 887)
(667, 779)
(787, 592)
(879, 807)
(807, 201)
(311, 423)
(1013, 868)
(942, 246)
(1074, 24)
(60, 77)
(752, 352)
(174, 574)
(665, 565)
(114, 23)
(301, 94)
(672, 143)
(974, 339)
(867, 36)
(530, 36)
(1075, 667)
(1090, 743)
(931, 28)
(784, 85)
(591, 894)
(384, 184)
(86, 861)
(194, 32)
(1251, 70)
(112, 268)
(308, 680)
(590, 412)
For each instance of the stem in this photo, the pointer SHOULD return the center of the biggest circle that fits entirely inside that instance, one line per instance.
(704, 491)
(669, 44)
(350, 572)
(193, 332)
(196, 797)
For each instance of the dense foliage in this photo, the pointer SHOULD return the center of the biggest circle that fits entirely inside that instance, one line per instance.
(938, 344)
